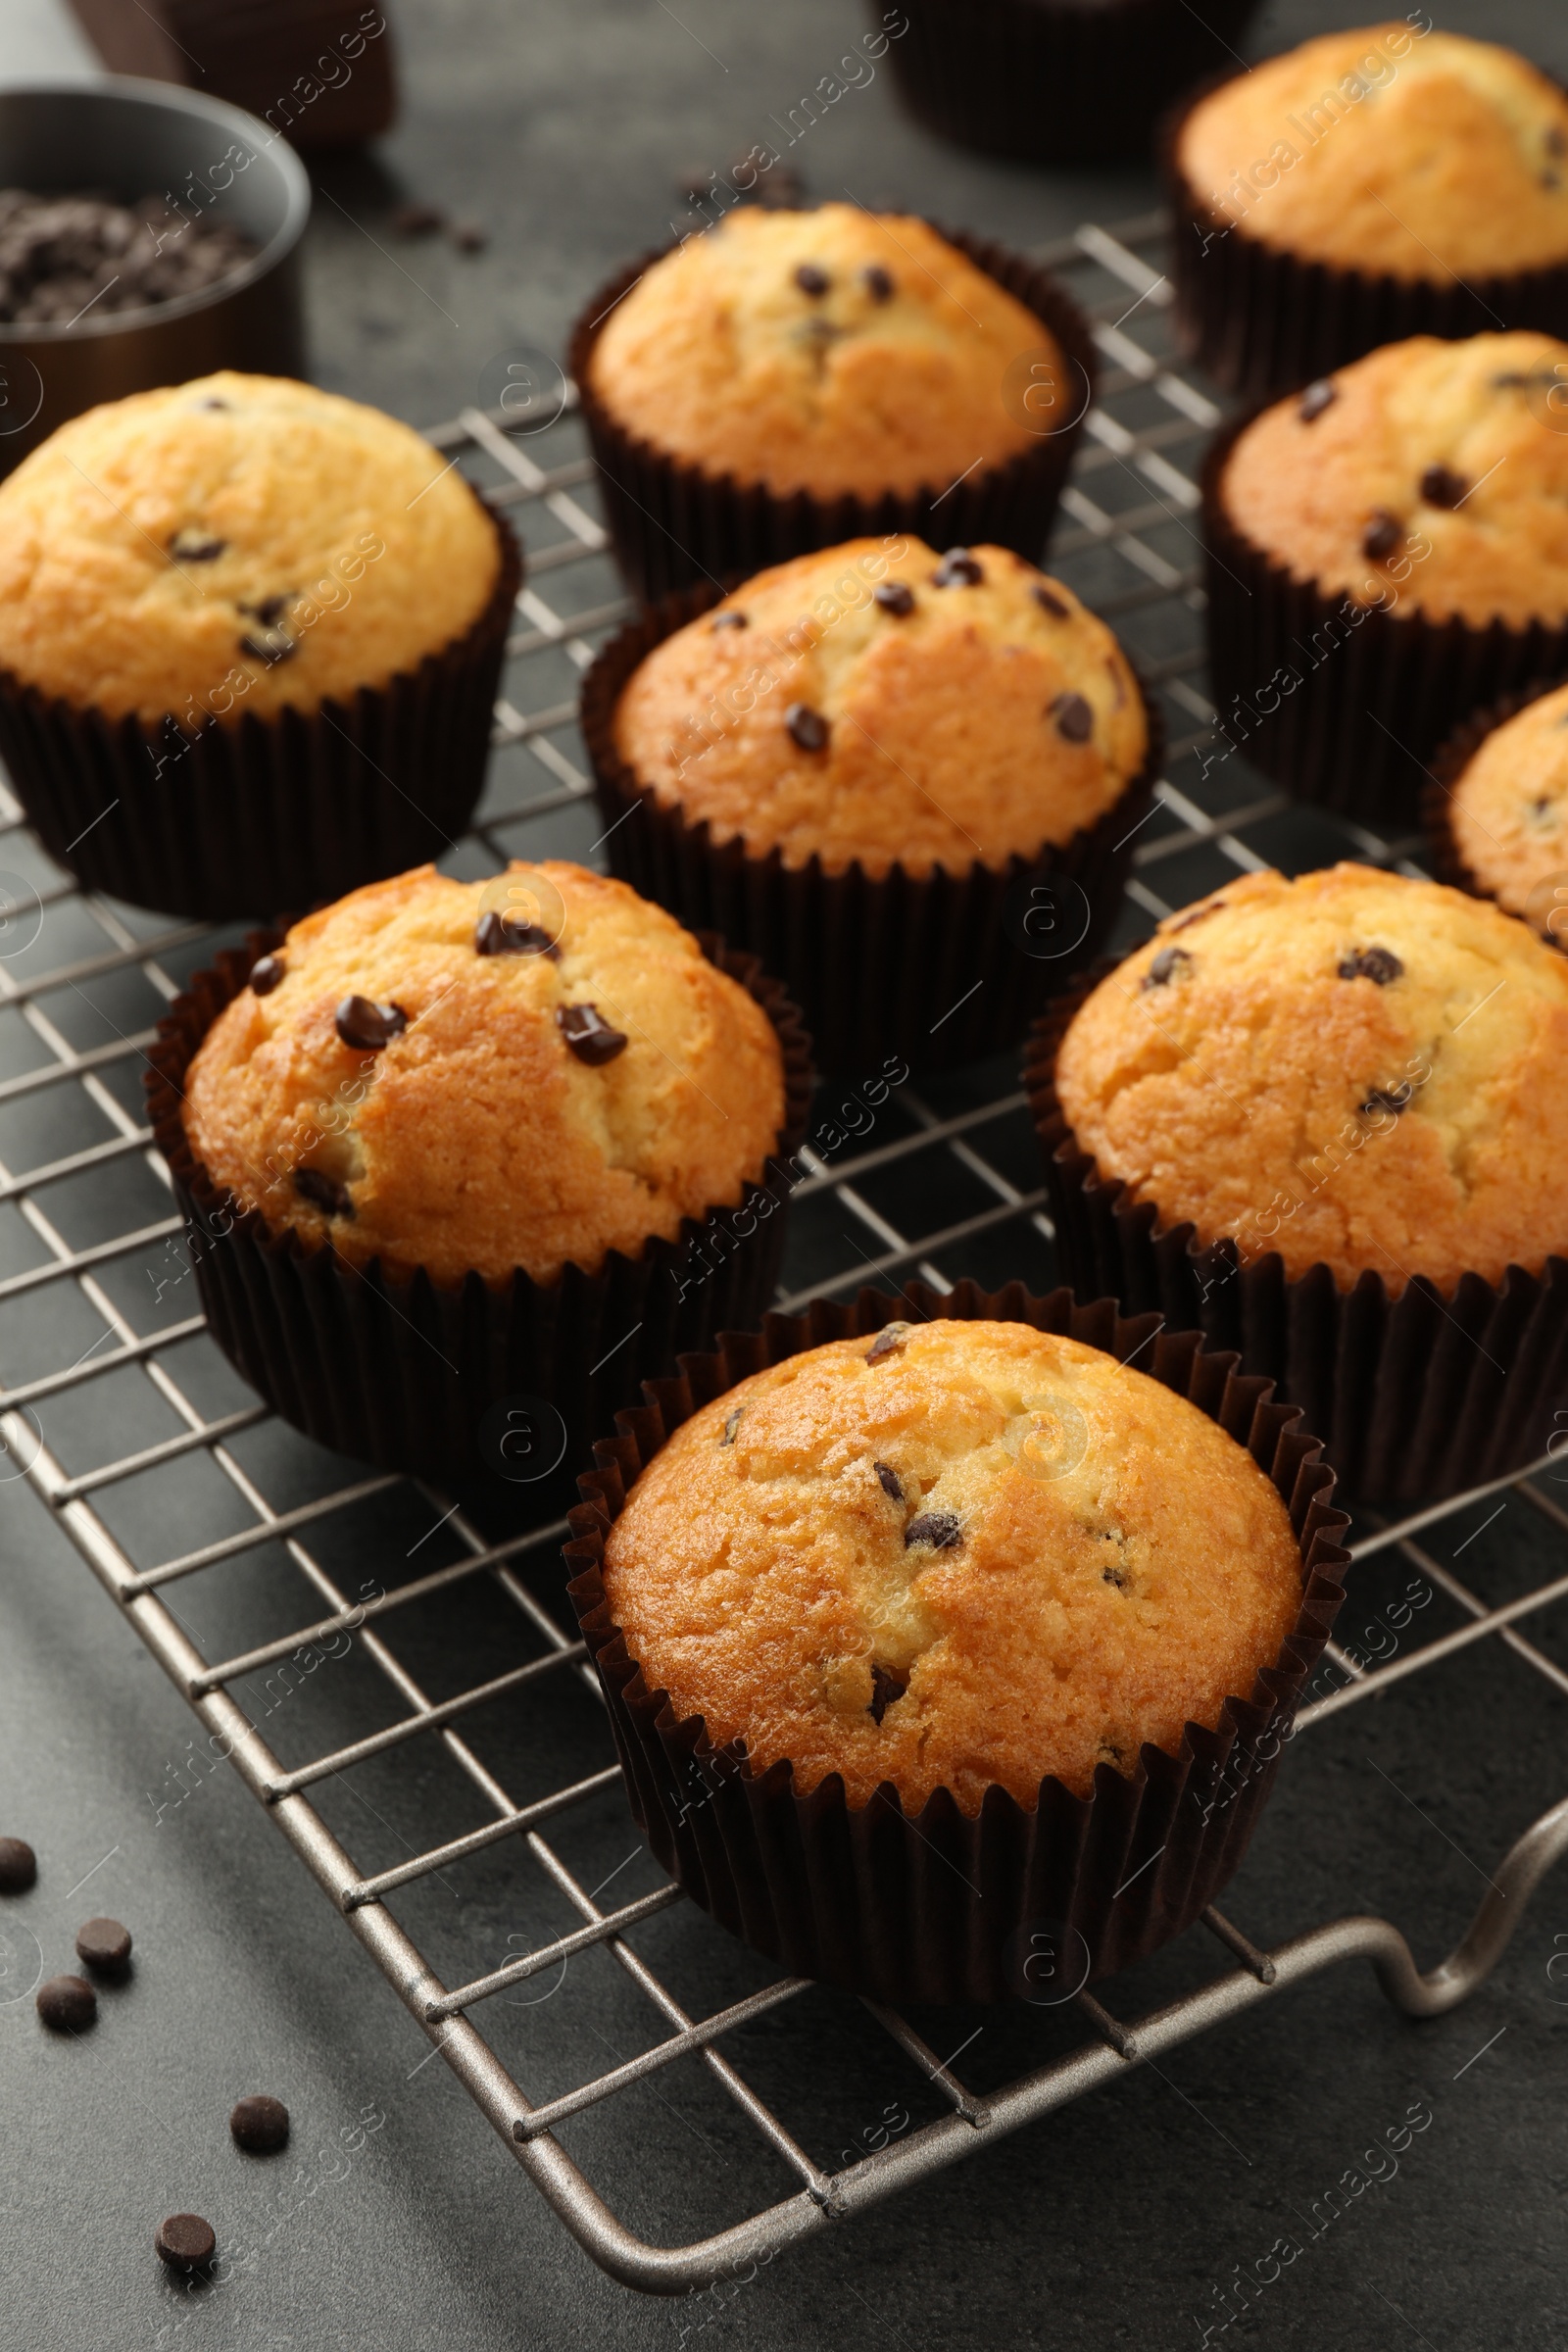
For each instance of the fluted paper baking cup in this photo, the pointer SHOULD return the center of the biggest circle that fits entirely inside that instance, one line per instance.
(1053, 82)
(409, 1373)
(673, 524)
(1014, 1902)
(1343, 703)
(1259, 319)
(1422, 1393)
(255, 814)
(942, 968)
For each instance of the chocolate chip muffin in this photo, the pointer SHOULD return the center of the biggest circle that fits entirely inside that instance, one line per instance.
(1361, 186)
(789, 378)
(486, 1076)
(962, 1555)
(224, 579)
(1498, 812)
(1353, 1070)
(880, 706)
(1398, 533)
(907, 781)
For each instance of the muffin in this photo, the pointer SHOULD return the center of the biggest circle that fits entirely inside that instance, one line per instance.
(1327, 1121)
(1497, 808)
(448, 1141)
(250, 638)
(906, 781)
(1387, 551)
(1054, 82)
(788, 379)
(1367, 185)
(972, 1580)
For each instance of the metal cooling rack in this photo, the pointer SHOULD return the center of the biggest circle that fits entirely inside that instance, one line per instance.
(947, 1186)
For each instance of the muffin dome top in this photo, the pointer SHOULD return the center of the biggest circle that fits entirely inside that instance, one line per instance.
(1429, 474)
(882, 703)
(1350, 1068)
(1383, 151)
(1508, 813)
(487, 1075)
(830, 351)
(951, 1555)
(240, 543)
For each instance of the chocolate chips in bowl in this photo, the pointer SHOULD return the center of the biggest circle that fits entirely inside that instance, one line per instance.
(63, 256)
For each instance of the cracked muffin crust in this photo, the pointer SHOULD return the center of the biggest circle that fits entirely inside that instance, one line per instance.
(1431, 473)
(1350, 1068)
(242, 543)
(1508, 815)
(881, 704)
(831, 351)
(1380, 150)
(480, 1076)
(954, 1555)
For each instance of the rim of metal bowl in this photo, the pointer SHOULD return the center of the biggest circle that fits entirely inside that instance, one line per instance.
(216, 112)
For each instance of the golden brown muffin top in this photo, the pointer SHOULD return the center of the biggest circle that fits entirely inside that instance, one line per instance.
(1508, 814)
(1389, 152)
(241, 543)
(1350, 1068)
(885, 704)
(565, 1073)
(1429, 474)
(954, 1555)
(831, 351)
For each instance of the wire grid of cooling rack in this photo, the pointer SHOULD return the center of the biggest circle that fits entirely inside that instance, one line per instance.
(948, 1187)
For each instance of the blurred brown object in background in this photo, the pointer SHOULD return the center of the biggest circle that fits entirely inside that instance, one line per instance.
(320, 72)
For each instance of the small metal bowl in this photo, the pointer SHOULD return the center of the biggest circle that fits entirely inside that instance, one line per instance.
(126, 138)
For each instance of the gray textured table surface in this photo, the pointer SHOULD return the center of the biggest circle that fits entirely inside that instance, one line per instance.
(564, 130)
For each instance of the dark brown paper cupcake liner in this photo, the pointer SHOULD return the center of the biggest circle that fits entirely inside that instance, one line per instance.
(1444, 855)
(945, 1906)
(252, 816)
(1345, 703)
(1053, 82)
(1259, 319)
(416, 1375)
(1422, 1393)
(928, 967)
(673, 524)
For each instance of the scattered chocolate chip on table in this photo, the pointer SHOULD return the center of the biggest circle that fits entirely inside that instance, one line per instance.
(104, 1945)
(260, 2125)
(66, 2004)
(18, 1866)
(185, 2241)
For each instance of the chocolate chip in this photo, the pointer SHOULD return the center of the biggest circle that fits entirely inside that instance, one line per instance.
(260, 2125)
(942, 1530)
(958, 569)
(877, 282)
(589, 1035)
(1315, 399)
(1396, 1098)
(1074, 718)
(214, 402)
(271, 646)
(808, 727)
(367, 1027)
(1441, 487)
(104, 1945)
(1113, 1575)
(1556, 142)
(195, 547)
(1380, 965)
(1050, 602)
(887, 1683)
(1382, 535)
(810, 279)
(497, 934)
(730, 621)
(732, 1425)
(333, 1200)
(893, 596)
(270, 609)
(1167, 967)
(185, 2241)
(470, 236)
(888, 1342)
(1551, 179)
(265, 974)
(889, 1481)
(66, 2004)
(415, 219)
(18, 1866)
